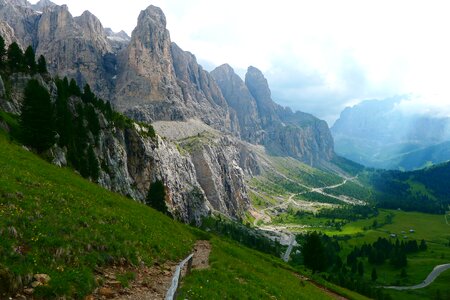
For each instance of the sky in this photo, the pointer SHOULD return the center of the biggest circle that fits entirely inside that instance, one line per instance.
(318, 56)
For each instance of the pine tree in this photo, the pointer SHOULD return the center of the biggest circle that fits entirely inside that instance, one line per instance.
(374, 275)
(37, 117)
(314, 253)
(15, 57)
(73, 88)
(156, 196)
(423, 245)
(94, 168)
(360, 269)
(88, 96)
(30, 60)
(42, 65)
(403, 273)
(2, 51)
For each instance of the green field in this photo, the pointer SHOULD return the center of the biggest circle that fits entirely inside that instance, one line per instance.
(432, 228)
(53, 221)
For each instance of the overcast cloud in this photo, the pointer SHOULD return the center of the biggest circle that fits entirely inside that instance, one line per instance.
(319, 56)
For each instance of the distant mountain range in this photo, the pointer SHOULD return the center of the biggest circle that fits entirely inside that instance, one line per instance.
(377, 134)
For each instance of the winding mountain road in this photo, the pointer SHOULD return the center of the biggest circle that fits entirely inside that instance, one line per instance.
(285, 237)
(430, 278)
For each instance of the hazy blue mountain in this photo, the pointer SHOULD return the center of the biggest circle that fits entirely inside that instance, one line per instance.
(377, 134)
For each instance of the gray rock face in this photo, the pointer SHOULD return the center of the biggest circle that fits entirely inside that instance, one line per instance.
(159, 81)
(8, 34)
(241, 101)
(118, 40)
(21, 18)
(219, 172)
(42, 4)
(77, 48)
(263, 121)
(259, 88)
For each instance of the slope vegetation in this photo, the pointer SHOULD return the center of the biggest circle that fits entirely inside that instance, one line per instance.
(56, 223)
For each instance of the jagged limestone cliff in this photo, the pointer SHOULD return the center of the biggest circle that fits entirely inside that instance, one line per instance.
(151, 79)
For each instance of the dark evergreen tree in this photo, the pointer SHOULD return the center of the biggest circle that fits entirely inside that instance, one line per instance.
(30, 60)
(374, 275)
(314, 253)
(42, 65)
(423, 245)
(88, 96)
(2, 51)
(37, 117)
(156, 196)
(94, 168)
(74, 89)
(15, 57)
(403, 273)
(92, 118)
(360, 269)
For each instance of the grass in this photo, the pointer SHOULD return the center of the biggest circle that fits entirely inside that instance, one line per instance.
(432, 228)
(54, 222)
(438, 290)
(238, 273)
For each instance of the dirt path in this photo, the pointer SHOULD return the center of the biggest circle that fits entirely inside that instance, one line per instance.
(150, 283)
(321, 287)
(202, 250)
(430, 278)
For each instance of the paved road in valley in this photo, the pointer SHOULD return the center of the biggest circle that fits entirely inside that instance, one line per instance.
(430, 278)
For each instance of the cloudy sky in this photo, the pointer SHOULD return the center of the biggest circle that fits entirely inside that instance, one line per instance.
(318, 56)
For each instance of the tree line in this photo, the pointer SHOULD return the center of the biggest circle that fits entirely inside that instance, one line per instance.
(13, 59)
(321, 254)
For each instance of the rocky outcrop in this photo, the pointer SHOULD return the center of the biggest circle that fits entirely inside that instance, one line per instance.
(117, 40)
(259, 88)
(221, 177)
(21, 18)
(159, 81)
(241, 101)
(262, 121)
(42, 5)
(8, 35)
(77, 48)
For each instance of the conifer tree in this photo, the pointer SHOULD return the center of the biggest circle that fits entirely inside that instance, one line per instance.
(360, 269)
(30, 60)
(88, 96)
(2, 51)
(94, 168)
(37, 117)
(42, 65)
(15, 57)
(314, 253)
(156, 196)
(73, 88)
(374, 275)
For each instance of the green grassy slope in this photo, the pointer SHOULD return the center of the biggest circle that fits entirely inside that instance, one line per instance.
(238, 273)
(54, 222)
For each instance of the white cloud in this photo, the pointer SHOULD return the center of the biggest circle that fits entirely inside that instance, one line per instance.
(317, 55)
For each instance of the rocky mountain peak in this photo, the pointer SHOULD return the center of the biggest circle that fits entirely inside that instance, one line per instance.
(43, 4)
(56, 23)
(93, 30)
(259, 88)
(153, 14)
(258, 85)
(240, 99)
